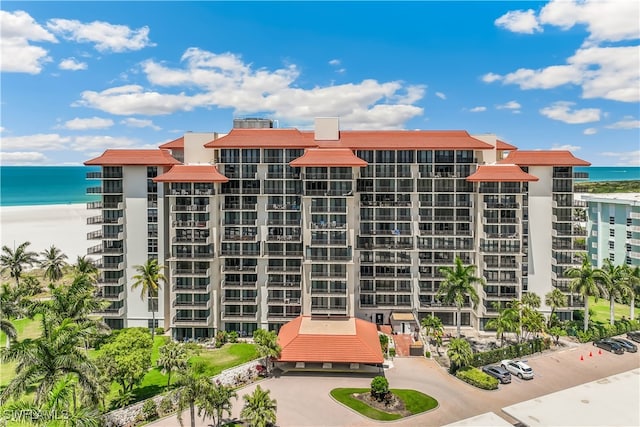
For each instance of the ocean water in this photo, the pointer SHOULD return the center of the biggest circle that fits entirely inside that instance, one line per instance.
(53, 185)
(45, 185)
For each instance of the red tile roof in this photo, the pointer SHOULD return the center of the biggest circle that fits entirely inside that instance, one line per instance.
(263, 138)
(192, 173)
(134, 158)
(544, 158)
(361, 347)
(501, 145)
(328, 157)
(176, 143)
(501, 173)
(355, 140)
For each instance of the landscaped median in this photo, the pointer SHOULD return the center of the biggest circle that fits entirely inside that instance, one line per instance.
(476, 377)
(413, 403)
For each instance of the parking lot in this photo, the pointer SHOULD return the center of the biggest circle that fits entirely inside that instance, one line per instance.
(303, 400)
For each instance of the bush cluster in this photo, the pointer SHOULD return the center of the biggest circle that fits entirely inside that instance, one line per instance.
(379, 387)
(149, 410)
(510, 352)
(598, 331)
(476, 377)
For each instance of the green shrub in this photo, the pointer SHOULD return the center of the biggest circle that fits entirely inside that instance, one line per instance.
(510, 352)
(232, 337)
(159, 331)
(166, 406)
(149, 410)
(221, 338)
(384, 343)
(584, 336)
(427, 354)
(392, 352)
(379, 387)
(477, 378)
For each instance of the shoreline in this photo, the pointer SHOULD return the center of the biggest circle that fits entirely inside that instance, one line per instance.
(62, 225)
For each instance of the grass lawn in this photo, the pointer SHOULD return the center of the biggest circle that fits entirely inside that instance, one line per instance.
(600, 310)
(415, 402)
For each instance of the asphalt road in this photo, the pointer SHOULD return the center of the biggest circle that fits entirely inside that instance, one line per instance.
(304, 400)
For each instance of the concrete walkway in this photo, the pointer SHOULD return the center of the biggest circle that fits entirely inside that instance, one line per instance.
(403, 343)
(304, 400)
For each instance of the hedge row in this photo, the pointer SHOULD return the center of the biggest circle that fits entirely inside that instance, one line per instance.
(510, 352)
(476, 377)
(597, 331)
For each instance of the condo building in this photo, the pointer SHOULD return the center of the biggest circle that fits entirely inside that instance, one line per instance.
(613, 228)
(259, 226)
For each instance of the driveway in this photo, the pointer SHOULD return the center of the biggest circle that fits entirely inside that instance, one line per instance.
(303, 400)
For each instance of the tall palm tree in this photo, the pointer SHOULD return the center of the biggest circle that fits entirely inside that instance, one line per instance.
(53, 263)
(215, 401)
(587, 281)
(149, 279)
(267, 345)
(507, 321)
(259, 408)
(16, 260)
(615, 283)
(192, 385)
(460, 354)
(632, 276)
(172, 356)
(10, 308)
(458, 284)
(531, 300)
(433, 328)
(85, 265)
(555, 299)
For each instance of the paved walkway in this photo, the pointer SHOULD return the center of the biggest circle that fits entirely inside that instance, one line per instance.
(304, 400)
(402, 343)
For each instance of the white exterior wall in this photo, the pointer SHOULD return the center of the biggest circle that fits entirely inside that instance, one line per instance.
(194, 151)
(488, 156)
(135, 227)
(540, 233)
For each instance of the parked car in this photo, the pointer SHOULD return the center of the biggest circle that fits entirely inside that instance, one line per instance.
(518, 368)
(498, 372)
(626, 344)
(634, 335)
(607, 344)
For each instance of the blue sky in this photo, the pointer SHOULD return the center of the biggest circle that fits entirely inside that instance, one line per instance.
(80, 77)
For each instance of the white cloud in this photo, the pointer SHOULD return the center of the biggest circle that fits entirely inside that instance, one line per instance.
(72, 64)
(601, 70)
(88, 123)
(441, 95)
(511, 105)
(519, 21)
(627, 123)
(17, 30)
(106, 37)
(226, 81)
(629, 158)
(139, 123)
(478, 109)
(22, 158)
(334, 62)
(561, 111)
(590, 131)
(56, 142)
(2, 129)
(566, 147)
(102, 142)
(608, 20)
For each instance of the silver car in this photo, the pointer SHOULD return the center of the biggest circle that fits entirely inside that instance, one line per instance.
(517, 368)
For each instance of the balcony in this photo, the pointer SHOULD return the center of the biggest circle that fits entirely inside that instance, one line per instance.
(282, 221)
(196, 305)
(330, 258)
(190, 289)
(192, 321)
(283, 207)
(193, 255)
(239, 221)
(189, 224)
(280, 238)
(240, 300)
(237, 284)
(284, 268)
(189, 208)
(277, 315)
(100, 249)
(111, 312)
(240, 206)
(248, 268)
(239, 316)
(201, 272)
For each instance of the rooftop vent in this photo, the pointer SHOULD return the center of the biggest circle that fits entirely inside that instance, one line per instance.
(252, 123)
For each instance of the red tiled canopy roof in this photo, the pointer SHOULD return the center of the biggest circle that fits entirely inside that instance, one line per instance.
(328, 157)
(133, 158)
(500, 173)
(176, 143)
(361, 347)
(353, 139)
(192, 173)
(544, 158)
(501, 145)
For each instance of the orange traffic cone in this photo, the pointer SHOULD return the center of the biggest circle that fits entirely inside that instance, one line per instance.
(599, 351)
(590, 355)
(581, 358)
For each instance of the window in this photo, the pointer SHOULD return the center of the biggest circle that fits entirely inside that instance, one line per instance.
(612, 232)
(612, 257)
(152, 323)
(629, 235)
(628, 222)
(611, 245)
(612, 220)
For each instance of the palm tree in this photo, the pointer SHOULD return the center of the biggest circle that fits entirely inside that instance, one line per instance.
(192, 385)
(10, 308)
(16, 260)
(215, 401)
(457, 285)
(53, 263)
(173, 356)
(267, 345)
(587, 281)
(433, 327)
(460, 354)
(259, 408)
(615, 283)
(633, 280)
(507, 321)
(44, 361)
(531, 300)
(149, 278)
(85, 265)
(555, 299)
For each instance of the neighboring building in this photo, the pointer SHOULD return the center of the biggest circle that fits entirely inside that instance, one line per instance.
(263, 225)
(613, 228)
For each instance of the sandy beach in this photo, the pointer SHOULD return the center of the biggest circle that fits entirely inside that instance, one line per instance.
(64, 226)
